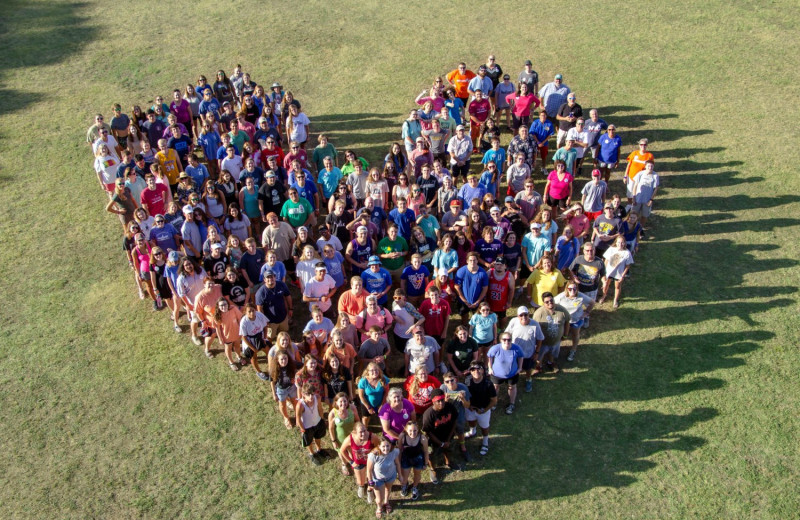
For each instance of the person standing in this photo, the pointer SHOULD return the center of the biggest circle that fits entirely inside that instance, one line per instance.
(460, 149)
(553, 95)
(645, 187)
(460, 78)
(608, 146)
(483, 398)
(504, 364)
(636, 162)
(567, 116)
(471, 284)
(528, 335)
(493, 71)
(554, 321)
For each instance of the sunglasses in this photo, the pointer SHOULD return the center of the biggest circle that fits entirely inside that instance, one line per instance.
(449, 380)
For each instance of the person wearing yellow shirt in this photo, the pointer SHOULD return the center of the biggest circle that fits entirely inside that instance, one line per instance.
(545, 279)
(169, 163)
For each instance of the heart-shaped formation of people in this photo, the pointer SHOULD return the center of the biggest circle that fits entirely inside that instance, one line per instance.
(449, 223)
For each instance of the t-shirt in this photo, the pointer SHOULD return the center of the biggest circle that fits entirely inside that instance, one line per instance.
(609, 148)
(480, 109)
(329, 180)
(481, 393)
(377, 283)
(552, 324)
(335, 267)
(617, 259)
(405, 221)
(483, 327)
(593, 195)
(535, 247)
(165, 237)
(415, 279)
(374, 394)
(248, 327)
(155, 200)
(462, 353)
(472, 284)
(384, 466)
(320, 330)
(422, 354)
(636, 162)
(251, 264)
(559, 188)
(435, 317)
(397, 420)
(272, 301)
(422, 398)
(525, 336)
(566, 111)
(504, 362)
(386, 245)
(318, 288)
(440, 423)
(575, 306)
(605, 227)
(569, 156)
(461, 81)
(545, 282)
(296, 212)
(646, 184)
(588, 273)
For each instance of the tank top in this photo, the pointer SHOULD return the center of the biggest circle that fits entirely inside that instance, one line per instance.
(251, 204)
(360, 452)
(498, 292)
(411, 451)
(344, 426)
(215, 208)
(361, 253)
(144, 258)
(310, 415)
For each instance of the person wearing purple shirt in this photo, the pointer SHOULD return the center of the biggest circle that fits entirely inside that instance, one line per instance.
(395, 414)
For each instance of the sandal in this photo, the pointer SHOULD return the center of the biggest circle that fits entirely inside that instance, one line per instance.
(234, 367)
(287, 423)
(484, 449)
(177, 328)
(379, 512)
(345, 471)
(388, 508)
(209, 355)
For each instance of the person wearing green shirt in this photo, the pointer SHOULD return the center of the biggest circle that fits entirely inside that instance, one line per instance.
(323, 149)
(350, 159)
(238, 137)
(297, 211)
(393, 250)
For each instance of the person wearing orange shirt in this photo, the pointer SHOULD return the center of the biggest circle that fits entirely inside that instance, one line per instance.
(226, 320)
(353, 301)
(460, 79)
(204, 307)
(169, 163)
(636, 162)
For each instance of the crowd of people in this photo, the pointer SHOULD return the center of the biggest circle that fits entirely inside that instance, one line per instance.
(231, 215)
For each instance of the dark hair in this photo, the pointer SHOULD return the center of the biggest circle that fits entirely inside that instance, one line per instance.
(231, 206)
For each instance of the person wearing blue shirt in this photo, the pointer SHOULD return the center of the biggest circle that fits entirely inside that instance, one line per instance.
(198, 172)
(471, 190)
(377, 280)
(414, 279)
(541, 130)
(471, 284)
(307, 189)
(504, 367)
(481, 82)
(496, 155)
(534, 246)
(209, 104)
(489, 179)
(454, 106)
(404, 218)
(608, 152)
(251, 170)
(329, 177)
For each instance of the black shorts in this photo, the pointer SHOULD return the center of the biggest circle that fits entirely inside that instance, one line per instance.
(499, 381)
(257, 342)
(561, 203)
(315, 432)
(461, 308)
(529, 363)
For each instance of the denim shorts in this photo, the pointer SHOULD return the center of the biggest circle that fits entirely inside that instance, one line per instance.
(417, 462)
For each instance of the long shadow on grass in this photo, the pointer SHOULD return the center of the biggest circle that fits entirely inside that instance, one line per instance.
(36, 34)
(371, 131)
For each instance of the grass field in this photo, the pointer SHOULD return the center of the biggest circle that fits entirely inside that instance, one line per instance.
(683, 403)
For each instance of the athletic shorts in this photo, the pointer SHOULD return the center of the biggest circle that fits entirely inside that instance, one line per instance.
(577, 325)
(642, 209)
(482, 418)
(609, 166)
(378, 483)
(529, 363)
(315, 432)
(550, 349)
(510, 380)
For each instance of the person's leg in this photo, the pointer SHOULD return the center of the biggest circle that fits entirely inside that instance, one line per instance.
(617, 290)
(575, 335)
(208, 341)
(606, 285)
(283, 409)
(194, 325)
(512, 393)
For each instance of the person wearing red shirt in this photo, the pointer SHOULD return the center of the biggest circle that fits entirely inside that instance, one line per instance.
(271, 149)
(436, 312)
(154, 197)
(478, 111)
(295, 152)
(501, 290)
(460, 79)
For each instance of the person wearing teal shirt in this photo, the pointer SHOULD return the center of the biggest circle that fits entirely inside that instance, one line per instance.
(329, 177)
(534, 246)
(323, 150)
(568, 154)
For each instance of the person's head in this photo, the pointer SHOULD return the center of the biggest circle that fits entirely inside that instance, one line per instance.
(310, 363)
(477, 371)
(373, 372)
(484, 309)
(250, 311)
(500, 267)
(294, 195)
(250, 244)
(506, 340)
(272, 219)
(548, 301)
(608, 210)
(523, 315)
(643, 144)
(648, 166)
(270, 278)
(472, 261)
(343, 321)
(570, 144)
(473, 180)
(395, 398)
(558, 79)
(460, 131)
(523, 131)
(547, 264)
(588, 251)
(510, 239)
(320, 270)
(372, 303)
(307, 392)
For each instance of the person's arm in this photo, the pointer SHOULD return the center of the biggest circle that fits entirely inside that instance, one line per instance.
(546, 191)
(407, 359)
(112, 208)
(344, 451)
(332, 428)
(483, 295)
(298, 412)
(460, 294)
(494, 333)
(569, 195)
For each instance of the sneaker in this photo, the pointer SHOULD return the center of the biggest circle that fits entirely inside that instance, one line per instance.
(471, 433)
(556, 368)
(370, 496)
(262, 376)
(360, 491)
(414, 493)
(404, 490)
(571, 356)
(544, 172)
(586, 322)
(434, 480)
(529, 386)
(315, 460)
(197, 341)
(155, 306)
(510, 409)
(177, 328)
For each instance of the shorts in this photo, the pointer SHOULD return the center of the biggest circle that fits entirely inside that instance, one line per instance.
(594, 150)
(486, 346)
(461, 308)
(273, 329)
(378, 483)
(591, 294)
(363, 409)
(529, 363)
(642, 209)
(555, 350)
(460, 171)
(609, 166)
(286, 393)
(629, 187)
(592, 215)
(577, 324)
(482, 418)
(513, 380)
(561, 203)
(145, 277)
(123, 141)
(315, 432)
(416, 462)
(257, 342)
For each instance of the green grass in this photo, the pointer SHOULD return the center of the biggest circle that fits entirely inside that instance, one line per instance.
(683, 403)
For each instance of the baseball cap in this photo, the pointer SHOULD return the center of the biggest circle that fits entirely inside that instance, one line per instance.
(359, 229)
(509, 198)
(374, 260)
(173, 256)
(536, 225)
(269, 272)
(183, 175)
(522, 310)
(506, 76)
(460, 127)
(188, 208)
(528, 62)
(499, 260)
(270, 175)
(595, 173)
(455, 203)
(302, 228)
(216, 245)
(482, 67)
(559, 76)
(323, 227)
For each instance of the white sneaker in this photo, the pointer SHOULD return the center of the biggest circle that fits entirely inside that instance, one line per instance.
(197, 341)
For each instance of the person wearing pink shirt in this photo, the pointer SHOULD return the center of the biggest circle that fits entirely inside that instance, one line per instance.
(521, 103)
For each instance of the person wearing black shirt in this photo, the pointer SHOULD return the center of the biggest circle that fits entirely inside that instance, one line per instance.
(271, 195)
(483, 397)
(567, 116)
(439, 424)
